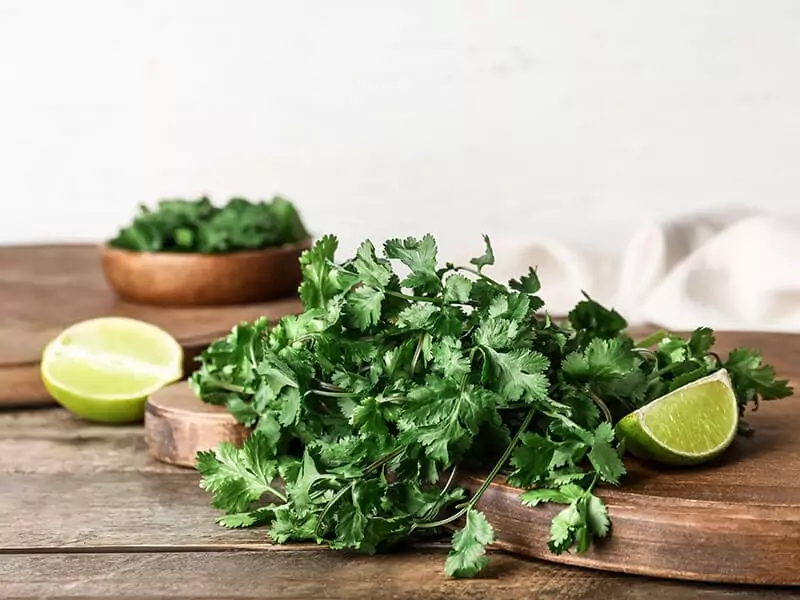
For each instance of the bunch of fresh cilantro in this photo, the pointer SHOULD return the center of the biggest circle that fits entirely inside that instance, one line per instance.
(365, 407)
(200, 226)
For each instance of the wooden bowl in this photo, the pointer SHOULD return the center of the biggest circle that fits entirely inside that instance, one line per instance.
(193, 279)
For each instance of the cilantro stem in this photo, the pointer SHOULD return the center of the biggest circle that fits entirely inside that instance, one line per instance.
(417, 352)
(330, 387)
(484, 486)
(304, 337)
(330, 394)
(430, 514)
(646, 352)
(669, 368)
(392, 399)
(237, 389)
(479, 274)
(330, 504)
(652, 339)
(427, 299)
(384, 459)
(252, 352)
(602, 405)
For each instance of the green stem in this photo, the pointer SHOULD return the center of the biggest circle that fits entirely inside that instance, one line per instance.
(602, 405)
(427, 299)
(417, 352)
(652, 339)
(330, 387)
(479, 274)
(384, 459)
(668, 368)
(647, 352)
(330, 504)
(276, 493)
(236, 389)
(430, 514)
(252, 353)
(330, 394)
(484, 486)
(392, 399)
(304, 337)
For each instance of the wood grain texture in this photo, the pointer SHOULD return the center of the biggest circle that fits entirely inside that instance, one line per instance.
(43, 289)
(129, 509)
(193, 279)
(312, 573)
(177, 426)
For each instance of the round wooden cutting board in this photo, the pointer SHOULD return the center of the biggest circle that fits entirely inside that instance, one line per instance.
(736, 520)
(44, 289)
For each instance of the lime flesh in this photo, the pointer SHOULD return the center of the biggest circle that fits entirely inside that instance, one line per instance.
(104, 369)
(688, 426)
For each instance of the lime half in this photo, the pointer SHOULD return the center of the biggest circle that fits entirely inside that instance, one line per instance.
(104, 369)
(688, 426)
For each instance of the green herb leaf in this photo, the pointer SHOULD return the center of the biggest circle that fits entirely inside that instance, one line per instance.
(368, 407)
(468, 555)
(199, 226)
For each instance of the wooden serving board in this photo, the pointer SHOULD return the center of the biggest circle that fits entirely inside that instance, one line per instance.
(44, 289)
(736, 520)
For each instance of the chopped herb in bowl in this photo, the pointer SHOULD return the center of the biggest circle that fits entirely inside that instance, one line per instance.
(201, 227)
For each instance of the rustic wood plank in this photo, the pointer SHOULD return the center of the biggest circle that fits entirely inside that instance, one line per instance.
(110, 509)
(55, 441)
(47, 288)
(320, 574)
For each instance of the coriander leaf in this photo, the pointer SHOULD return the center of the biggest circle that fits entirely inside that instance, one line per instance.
(701, 341)
(483, 293)
(527, 284)
(563, 528)
(468, 555)
(237, 477)
(457, 288)
(367, 417)
(487, 258)
(597, 516)
(751, 378)
(498, 306)
(350, 527)
(372, 270)
(449, 358)
(290, 406)
(420, 257)
(198, 226)
(533, 498)
(417, 316)
(260, 516)
(532, 460)
(364, 306)
(604, 457)
(594, 320)
(602, 359)
(519, 374)
(319, 279)
(564, 495)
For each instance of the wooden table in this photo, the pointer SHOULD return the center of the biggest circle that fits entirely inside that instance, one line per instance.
(86, 513)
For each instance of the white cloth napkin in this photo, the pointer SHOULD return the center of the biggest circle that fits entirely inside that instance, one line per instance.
(728, 270)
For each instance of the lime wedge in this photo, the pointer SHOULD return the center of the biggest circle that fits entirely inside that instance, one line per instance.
(688, 426)
(104, 369)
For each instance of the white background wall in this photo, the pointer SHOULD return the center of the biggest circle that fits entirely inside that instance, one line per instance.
(573, 120)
